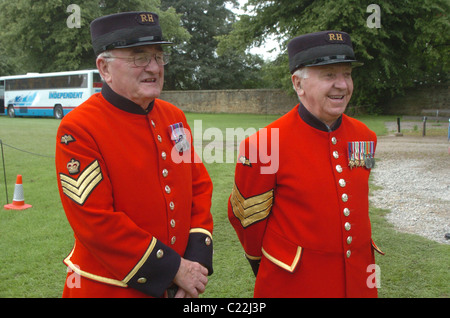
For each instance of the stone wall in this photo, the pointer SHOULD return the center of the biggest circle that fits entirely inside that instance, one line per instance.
(416, 102)
(419, 101)
(253, 101)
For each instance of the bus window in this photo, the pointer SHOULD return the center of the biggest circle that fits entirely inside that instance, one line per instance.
(2, 97)
(97, 80)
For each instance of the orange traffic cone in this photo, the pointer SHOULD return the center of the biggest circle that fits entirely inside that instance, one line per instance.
(18, 200)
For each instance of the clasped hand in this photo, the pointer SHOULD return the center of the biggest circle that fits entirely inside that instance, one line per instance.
(191, 279)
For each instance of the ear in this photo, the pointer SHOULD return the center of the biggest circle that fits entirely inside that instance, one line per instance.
(297, 83)
(103, 68)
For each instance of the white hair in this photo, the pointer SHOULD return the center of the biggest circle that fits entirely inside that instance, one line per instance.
(301, 73)
(105, 55)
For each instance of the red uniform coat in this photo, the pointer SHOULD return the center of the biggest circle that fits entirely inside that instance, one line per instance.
(135, 204)
(300, 210)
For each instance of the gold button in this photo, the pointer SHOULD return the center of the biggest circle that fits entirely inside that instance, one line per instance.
(342, 183)
(163, 155)
(153, 123)
(346, 212)
(142, 280)
(159, 254)
(339, 168)
(335, 154)
(348, 253)
(173, 240)
(172, 223)
(344, 197)
(334, 140)
(172, 205)
(208, 241)
(349, 240)
(159, 138)
(347, 226)
(165, 173)
(167, 188)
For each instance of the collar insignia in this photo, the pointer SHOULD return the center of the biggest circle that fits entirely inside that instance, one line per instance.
(66, 139)
(245, 161)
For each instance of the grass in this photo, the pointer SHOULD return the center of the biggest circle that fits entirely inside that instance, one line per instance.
(34, 242)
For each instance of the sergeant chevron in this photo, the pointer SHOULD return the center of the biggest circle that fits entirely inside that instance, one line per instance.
(79, 189)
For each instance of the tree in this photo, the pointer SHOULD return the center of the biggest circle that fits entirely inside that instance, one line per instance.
(411, 44)
(40, 36)
(196, 63)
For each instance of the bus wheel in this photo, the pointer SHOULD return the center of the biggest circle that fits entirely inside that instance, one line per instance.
(58, 112)
(11, 112)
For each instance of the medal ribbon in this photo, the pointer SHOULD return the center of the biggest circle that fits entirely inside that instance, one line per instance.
(364, 146)
(176, 131)
(359, 152)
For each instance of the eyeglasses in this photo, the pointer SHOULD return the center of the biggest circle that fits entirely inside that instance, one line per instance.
(144, 59)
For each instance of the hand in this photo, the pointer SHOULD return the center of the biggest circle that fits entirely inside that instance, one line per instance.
(191, 279)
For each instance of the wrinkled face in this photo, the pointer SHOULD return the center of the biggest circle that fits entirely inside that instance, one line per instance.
(326, 91)
(140, 84)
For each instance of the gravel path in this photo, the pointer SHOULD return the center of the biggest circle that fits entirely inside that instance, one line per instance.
(414, 176)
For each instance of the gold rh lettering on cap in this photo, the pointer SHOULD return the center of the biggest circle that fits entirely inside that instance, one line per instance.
(147, 18)
(335, 37)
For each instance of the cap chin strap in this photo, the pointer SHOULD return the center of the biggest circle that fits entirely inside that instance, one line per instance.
(331, 58)
(122, 43)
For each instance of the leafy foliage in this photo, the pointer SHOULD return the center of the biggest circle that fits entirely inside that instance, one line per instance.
(405, 50)
(197, 64)
(212, 43)
(36, 36)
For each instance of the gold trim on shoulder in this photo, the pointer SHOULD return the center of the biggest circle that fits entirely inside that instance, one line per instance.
(253, 209)
(79, 189)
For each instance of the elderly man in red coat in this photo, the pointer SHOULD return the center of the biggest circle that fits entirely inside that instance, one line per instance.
(300, 200)
(140, 215)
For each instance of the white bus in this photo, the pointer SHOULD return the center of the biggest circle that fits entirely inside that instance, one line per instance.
(48, 94)
(2, 96)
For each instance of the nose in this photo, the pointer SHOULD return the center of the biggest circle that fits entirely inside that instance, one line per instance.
(152, 67)
(342, 81)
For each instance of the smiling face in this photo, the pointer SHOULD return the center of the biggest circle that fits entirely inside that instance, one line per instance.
(326, 91)
(139, 84)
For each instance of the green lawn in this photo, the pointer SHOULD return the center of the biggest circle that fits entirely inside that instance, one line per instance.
(34, 242)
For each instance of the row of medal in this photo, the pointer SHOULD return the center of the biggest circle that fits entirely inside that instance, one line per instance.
(178, 136)
(361, 154)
